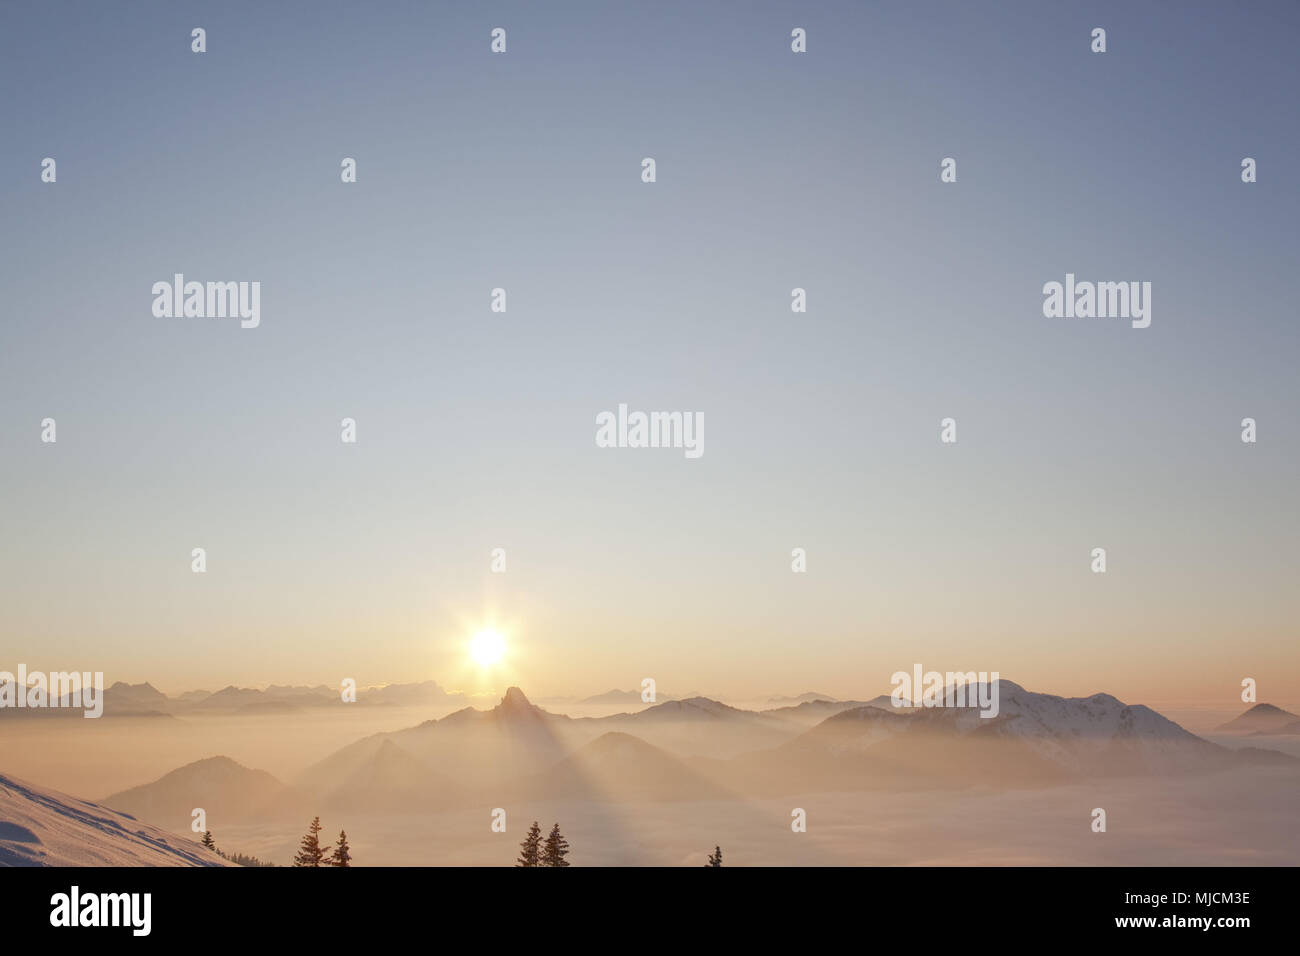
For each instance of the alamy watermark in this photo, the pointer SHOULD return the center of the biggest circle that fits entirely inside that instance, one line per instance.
(208, 300)
(651, 430)
(930, 689)
(75, 908)
(1098, 300)
(69, 689)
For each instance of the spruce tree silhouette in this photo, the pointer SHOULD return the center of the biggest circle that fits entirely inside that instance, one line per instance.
(309, 851)
(342, 855)
(529, 854)
(208, 842)
(556, 848)
(715, 858)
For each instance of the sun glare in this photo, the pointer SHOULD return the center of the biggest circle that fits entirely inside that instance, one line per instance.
(487, 648)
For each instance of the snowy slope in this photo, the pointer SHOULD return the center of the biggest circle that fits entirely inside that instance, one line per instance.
(41, 827)
(1097, 733)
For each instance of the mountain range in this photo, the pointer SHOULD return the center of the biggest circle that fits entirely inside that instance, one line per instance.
(701, 749)
(144, 700)
(620, 698)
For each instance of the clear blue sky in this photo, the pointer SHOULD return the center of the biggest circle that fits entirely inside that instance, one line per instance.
(476, 430)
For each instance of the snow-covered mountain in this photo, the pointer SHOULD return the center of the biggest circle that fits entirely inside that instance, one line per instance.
(1097, 735)
(1102, 734)
(40, 827)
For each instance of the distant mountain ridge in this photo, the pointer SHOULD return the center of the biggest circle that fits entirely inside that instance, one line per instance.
(814, 711)
(1287, 730)
(1261, 719)
(144, 700)
(801, 698)
(701, 749)
(620, 697)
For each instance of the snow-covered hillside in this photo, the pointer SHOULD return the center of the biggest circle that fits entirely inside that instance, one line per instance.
(41, 827)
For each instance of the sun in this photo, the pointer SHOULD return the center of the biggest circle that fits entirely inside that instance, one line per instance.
(487, 648)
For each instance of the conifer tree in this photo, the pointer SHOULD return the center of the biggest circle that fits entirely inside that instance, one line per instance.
(309, 851)
(529, 849)
(342, 855)
(715, 858)
(556, 849)
(208, 842)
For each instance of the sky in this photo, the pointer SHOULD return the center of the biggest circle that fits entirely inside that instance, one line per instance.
(475, 429)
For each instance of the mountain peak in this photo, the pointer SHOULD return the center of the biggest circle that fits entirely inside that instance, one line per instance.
(514, 698)
(1263, 717)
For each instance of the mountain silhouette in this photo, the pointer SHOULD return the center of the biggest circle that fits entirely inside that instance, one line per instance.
(1261, 718)
(702, 749)
(224, 789)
